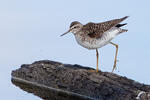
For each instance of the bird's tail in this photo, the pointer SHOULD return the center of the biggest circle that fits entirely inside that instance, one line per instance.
(120, 25)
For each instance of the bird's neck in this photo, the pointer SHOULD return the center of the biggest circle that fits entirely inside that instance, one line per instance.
(77, 32)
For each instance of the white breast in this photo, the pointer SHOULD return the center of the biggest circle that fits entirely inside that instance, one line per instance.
(93, 43)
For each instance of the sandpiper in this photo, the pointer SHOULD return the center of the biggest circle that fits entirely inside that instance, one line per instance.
(96, 35)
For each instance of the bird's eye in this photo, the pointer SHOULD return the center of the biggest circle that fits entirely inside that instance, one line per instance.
(75, 27)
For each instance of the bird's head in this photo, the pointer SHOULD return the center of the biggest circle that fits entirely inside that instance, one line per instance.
(74, 27)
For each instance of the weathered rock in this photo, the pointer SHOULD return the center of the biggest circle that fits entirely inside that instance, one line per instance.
(56, 81)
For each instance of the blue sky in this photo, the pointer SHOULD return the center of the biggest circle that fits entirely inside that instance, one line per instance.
(30, 30)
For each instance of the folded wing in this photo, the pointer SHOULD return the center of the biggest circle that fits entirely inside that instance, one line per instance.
(96, 30)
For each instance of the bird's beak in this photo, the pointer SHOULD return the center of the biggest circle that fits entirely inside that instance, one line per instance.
(66, 32)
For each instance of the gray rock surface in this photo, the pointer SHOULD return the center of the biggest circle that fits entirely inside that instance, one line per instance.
(56, 81)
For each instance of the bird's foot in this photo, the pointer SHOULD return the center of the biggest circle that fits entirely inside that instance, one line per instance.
(92, 70)
(114, 67)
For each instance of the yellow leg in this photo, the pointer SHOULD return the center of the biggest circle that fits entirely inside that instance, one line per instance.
(115, 55)
(97, 56)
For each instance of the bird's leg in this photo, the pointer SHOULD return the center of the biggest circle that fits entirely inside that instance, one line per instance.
(97, 56)
(115, 55)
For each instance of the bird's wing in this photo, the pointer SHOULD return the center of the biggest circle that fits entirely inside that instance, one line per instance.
(96, 30)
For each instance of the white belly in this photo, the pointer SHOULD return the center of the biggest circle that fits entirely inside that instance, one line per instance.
(93, 43)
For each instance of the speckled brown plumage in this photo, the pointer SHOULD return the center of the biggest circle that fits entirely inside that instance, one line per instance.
(96, 30)
(97, 35)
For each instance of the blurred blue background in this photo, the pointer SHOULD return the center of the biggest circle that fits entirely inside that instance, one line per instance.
(30, 30)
